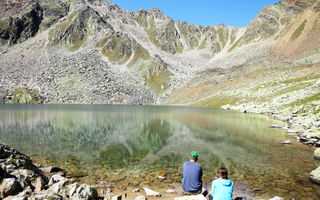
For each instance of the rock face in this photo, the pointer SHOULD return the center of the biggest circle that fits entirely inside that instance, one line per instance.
(92, 51)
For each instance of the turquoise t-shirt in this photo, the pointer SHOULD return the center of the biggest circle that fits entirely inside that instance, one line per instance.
(222, 189)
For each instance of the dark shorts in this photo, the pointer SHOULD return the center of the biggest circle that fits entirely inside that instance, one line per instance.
(191, 193)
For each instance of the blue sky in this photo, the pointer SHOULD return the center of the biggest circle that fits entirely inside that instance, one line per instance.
(202, 12)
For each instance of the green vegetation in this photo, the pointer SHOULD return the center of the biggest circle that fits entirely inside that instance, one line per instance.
(222, 38)
(232, 36)
(118, 49)
(25, 96)
(139, 53)
(298, 31)
(216, 102)
(160, 81)
(234, 45)
(315, 97)
(60, 28)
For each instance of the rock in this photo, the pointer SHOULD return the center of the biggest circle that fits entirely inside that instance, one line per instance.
(315, 175)
(161, 178)
(136, 190)
(191, 197)
(103, 184)
(150, 192)
(51, 170)
(275, 126)
(170, 191)
(72, 188)
(57, 178)
(140, 197)
(118, 197)
(10, 187)
(316, 153)
(39, 184)
(276, 198)
(86, 192)
(286, 142)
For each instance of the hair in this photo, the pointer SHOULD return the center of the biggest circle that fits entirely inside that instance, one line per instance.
(223, 172)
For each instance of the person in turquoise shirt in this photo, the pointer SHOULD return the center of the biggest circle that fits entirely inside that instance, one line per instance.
(222, 188)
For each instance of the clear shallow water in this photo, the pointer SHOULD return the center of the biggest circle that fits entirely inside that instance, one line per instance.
(128, 145)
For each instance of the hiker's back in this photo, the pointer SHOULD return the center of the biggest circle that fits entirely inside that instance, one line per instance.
(192, 176)
(222, 189)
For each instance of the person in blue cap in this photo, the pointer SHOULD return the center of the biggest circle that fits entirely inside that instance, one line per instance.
(221, 188)
(192, 175)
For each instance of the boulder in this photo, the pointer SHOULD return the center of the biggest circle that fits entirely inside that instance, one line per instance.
(170, 191)
(84, 191)
(317, 153)
(10, 187)
(315, 175)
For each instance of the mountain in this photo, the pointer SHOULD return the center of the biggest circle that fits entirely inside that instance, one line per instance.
(92, 51)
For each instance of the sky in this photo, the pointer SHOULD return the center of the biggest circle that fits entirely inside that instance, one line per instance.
(202, 12)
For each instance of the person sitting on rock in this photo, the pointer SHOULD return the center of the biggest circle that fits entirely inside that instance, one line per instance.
(221, 188)
(192, 176)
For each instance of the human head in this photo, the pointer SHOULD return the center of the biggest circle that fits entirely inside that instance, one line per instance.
(194, 156)
(223, 173)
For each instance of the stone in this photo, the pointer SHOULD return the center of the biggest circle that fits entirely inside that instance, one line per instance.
(39, 184)
(277, 198)
(72, 188)
(161, 178)
(136, 190)
(10, 187)
(57, 178)
(315, 175)
(117, 197)
(170, 191)
(51, 169)
(286, 142)
(275, 126)
(140, 197)
(150, 192)
(317, 153)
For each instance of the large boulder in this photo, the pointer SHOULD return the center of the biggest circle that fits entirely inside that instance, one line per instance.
(10, 186)
(315, 175)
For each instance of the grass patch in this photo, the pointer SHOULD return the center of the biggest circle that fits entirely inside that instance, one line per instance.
(304, 101)
(293, 88)
(160, 82)
(216, 102)
(234, 45)
(298, 31)
(139, 53)
(118, 49)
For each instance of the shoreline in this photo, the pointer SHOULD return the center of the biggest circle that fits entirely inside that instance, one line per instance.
(32, 180)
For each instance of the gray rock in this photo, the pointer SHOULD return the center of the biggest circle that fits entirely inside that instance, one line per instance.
(315, 175)
(286, 142)
(10, 187)
(150, 192)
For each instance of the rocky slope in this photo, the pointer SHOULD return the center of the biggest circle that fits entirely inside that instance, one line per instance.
(92, 51)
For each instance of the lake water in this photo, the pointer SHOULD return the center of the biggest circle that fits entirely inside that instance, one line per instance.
(131, 145)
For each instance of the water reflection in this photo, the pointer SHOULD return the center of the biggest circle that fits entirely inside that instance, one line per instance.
(102, 142)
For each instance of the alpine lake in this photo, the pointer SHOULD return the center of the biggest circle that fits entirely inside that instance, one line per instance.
(131, 146)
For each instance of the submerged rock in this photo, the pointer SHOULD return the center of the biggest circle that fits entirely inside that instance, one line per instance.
(286, 142)
(150, 192)
(317, 153)
(315, 175)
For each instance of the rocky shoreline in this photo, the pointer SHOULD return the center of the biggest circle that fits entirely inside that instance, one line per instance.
(21, 179)
(305, 134)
